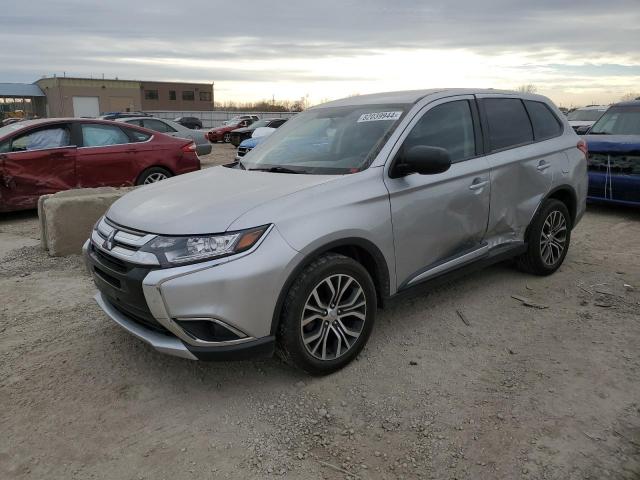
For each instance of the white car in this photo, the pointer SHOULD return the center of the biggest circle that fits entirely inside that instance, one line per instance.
(583, 118)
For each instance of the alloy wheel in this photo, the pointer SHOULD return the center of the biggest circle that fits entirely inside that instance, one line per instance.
(154, 178)
(333, 317)
(553, 240)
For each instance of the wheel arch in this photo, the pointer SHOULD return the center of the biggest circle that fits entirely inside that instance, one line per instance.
(564, 193)
(567, 195)
(163, 167)
(361, 250)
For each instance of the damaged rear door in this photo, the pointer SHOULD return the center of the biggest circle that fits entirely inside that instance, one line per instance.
(521, 171)
(34, 163)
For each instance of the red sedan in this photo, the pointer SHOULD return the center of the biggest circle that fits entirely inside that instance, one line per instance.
(44, 156)
(223, 133)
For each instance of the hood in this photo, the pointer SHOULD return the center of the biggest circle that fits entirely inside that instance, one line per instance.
(203, 202)
(252, 142)
(613, 143)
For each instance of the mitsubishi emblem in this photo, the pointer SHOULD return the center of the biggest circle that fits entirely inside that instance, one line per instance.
(108, 243)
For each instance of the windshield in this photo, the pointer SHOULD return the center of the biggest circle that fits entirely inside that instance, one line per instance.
(585, 115)
(618, 121)
(327, 141)
(258, 124)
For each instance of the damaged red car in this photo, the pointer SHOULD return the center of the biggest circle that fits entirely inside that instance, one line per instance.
(39, 157)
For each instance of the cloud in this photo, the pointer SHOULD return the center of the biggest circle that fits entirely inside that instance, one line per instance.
(279, 42)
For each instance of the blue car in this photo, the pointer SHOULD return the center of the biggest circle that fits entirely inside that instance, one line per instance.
(614, 156)
(247, 145)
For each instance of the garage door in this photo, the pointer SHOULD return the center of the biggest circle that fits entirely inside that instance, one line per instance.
(86, 107)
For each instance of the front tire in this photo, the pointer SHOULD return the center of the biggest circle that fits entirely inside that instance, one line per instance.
(328, 315)
(547, 240)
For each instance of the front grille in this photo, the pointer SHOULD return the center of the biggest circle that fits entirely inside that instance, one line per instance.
(144, 321)
(112, 261)
(113, 281)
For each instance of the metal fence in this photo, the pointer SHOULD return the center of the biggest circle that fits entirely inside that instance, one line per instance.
(215, 118)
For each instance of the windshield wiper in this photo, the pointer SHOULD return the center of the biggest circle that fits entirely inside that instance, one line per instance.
(277, 170)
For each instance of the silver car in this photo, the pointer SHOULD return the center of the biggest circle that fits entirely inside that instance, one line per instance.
(295, 247)
(168, 127)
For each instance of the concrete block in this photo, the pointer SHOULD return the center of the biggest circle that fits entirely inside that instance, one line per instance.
(41, 221)
(66, 218)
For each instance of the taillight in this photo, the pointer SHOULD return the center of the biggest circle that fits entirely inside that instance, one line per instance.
(190, 147)
(582, 146)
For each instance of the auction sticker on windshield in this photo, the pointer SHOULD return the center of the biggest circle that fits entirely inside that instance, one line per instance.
(378, 116)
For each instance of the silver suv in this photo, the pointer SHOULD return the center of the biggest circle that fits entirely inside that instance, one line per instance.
(349, 203)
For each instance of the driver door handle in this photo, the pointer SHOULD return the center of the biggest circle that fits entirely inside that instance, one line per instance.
(477, 185)
(542, 166)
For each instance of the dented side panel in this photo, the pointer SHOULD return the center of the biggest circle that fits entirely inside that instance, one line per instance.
(520, 179)
(27, 175)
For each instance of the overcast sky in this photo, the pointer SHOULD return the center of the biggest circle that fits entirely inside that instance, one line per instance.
(576, 52)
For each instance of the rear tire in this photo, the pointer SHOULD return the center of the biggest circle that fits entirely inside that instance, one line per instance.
(153, 175)
(226, 138)
(547, 240)
(328, 315)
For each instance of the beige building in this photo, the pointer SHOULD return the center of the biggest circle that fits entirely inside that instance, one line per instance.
(176, 96)
(87, 97)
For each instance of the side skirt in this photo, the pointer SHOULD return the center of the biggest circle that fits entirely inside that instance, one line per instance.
(453, 269)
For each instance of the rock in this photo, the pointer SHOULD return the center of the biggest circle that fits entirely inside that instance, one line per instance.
(322, 412)
(413, 362)
(500, 416)
(300, 384)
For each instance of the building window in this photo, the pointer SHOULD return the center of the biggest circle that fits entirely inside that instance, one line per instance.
(151, 95)
(188, 95)
(172, 94)
(205, 96)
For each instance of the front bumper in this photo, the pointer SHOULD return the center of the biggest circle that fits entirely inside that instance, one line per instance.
(156, 305)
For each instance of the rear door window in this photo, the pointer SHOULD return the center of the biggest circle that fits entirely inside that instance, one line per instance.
(137, 136)
(96, 135)
(157, 126)
(509, 124)
(42, 139)
(545, 123)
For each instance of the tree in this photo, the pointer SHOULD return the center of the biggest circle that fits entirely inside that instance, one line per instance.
(529, 88)
(630, 96)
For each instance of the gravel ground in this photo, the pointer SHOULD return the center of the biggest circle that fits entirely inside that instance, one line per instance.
(512, 392)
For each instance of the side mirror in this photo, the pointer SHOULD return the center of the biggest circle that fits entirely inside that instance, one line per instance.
(423, 160)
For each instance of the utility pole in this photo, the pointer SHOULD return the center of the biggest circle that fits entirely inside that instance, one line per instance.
(213, 94)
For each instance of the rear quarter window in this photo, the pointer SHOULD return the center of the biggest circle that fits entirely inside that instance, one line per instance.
(545, 123)
(137, 136)
(508, 122)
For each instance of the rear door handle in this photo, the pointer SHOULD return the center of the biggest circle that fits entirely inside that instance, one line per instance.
(477, 185)
(542, 166)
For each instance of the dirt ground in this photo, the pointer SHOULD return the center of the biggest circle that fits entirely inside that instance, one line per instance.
(515, 392)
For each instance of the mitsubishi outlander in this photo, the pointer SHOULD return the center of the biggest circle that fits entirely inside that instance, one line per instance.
(295, 247)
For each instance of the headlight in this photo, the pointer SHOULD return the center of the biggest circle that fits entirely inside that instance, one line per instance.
(189, 249)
